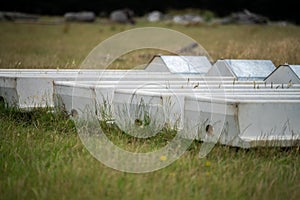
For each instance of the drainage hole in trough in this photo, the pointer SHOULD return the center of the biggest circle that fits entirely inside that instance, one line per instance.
(74, 113)
(138, 122)
(209, 129)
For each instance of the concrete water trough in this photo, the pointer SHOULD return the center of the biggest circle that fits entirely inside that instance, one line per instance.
(80, 96)
(179, 64)
(28, 90)
(69, 88)
(287, 74)
(63, 71)
(86, 99)
(235, 122)
(72, 95)
(242, 69)
(183, 82)
(89, 97)
(172, 100)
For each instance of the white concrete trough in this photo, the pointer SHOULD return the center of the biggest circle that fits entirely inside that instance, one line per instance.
(206, 85)
(88, 99)
(72, 95)
(172, 101)
(141, 117)
(243, 122)
(64, 71)
(181, 83)
(79, 96)
(242, 69)
(28, 90)
(287, 74)
(85, 99)
(179, 64)
(106, 88)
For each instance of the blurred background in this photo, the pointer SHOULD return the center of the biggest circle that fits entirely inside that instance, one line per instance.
(273, 10)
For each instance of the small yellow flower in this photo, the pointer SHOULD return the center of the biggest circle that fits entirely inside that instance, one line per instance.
(163, 158)
(207, 164)
(172, 174)
(207, 173)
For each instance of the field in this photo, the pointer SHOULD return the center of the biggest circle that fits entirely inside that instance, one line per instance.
(42, 157)
(66, 45)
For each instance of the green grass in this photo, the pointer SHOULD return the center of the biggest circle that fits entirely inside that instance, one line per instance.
(66, 46)
(42, 157)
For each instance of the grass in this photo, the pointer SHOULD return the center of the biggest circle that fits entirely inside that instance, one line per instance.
(55, 46)
(42, 157)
